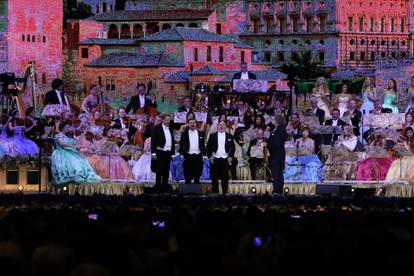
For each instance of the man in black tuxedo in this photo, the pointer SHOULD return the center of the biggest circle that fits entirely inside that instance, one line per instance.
(319, 113)
(122, 125)
(140, 101)
(186, 105)
(244, 74)
(276, 146)
(162, 148)
(356, 116)
(335, 122)
(57, 94)
(220, 151)
(192, 149)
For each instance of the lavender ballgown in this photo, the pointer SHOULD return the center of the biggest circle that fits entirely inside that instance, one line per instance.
(20, 145)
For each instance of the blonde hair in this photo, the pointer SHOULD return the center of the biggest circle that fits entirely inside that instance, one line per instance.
(324, 84)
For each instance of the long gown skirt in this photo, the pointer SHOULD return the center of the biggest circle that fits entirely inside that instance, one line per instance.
(373, 169)
(118, 168)
(177, 169)
(401, 169)
(20, 145)
(98, 164)
(306, 168)
(142, 169)
(70, 166)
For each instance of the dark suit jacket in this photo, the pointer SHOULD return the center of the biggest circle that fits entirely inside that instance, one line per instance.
(212, 145)
(131, 129)
(237, 76)
(52, 98)
(134, 104)
(355, 120)
(320, 113)
(158, 139)
(185, 143)
(183, 109)
(276, 145)
(328, 138)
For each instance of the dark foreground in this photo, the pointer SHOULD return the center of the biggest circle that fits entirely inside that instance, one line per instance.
(148, 235)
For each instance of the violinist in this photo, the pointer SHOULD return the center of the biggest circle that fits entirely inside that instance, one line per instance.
(140, 104)
(91, 100)
(294, 125)
(123, 123)
(32, 128)
(19, 143)
(256, 152)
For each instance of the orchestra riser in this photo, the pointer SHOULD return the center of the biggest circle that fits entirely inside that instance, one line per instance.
(24, 179)
(339, 188)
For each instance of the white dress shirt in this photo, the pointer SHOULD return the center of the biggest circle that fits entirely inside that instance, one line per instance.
(221, 149)
(122, 123)
(141, 101)
(334, 122)
(168, 142)
(59, 96)
(244, 76)
(193, 137)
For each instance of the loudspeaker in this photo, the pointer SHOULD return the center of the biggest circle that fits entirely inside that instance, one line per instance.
(336, 190)
(12, 177)
(33, 177)
(194, 189)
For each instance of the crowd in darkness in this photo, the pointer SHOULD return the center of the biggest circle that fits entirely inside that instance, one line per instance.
(59, 235)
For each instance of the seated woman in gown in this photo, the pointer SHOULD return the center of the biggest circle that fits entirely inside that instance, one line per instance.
(19, 144)
(304, 165)
(403, 167)
(68, 165)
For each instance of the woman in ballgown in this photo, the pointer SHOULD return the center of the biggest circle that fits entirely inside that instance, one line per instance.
(20, 145)
(410, 97)
(305, 165)
(142, 168)
(68, 165)
(322, 93)
(5, 145)
(390, 96)
(403, 167)
(342, 100)
(369, 95)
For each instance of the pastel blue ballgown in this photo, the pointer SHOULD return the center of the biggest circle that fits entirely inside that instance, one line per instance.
(69, 166)
(390, 101)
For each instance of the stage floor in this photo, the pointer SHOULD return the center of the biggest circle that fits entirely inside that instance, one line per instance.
(379, 188)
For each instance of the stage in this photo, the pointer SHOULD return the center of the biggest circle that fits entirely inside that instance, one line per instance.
(339, 188)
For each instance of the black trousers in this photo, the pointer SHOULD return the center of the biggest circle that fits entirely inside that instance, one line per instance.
(193, 168)
(220, 171)
(163, 168)
(277, 165)
(254, 164)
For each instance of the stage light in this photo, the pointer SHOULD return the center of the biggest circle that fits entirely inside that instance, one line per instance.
(286, 190)
(65, 188)
(20, 188)
(253, 190)
(353, 190)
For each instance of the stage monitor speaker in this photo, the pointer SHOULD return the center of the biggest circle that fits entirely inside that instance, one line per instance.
(194, 189)
(334, 190)
(12, 177)
(33, 177)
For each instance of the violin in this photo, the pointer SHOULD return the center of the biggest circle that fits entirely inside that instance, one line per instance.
(103, 122)
(20, 122)
(89, 136)
(70, 134)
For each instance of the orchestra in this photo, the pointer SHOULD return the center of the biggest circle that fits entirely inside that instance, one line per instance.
(332, 131)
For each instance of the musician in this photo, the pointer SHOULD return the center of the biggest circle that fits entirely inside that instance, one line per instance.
(378, 109)
(57, 94)
(91, 100)
(277, 109)
(256, 152)
(243, 113)
(186, 105)
(276, 145)
(335, 122)
(294, 125)
(123, 123)
(162, 149)
(244, 73)
(192, 149)
(220, 151)
(140, 103)
(33, 129)
(316, 111)
(355, 115)
(348, 139)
